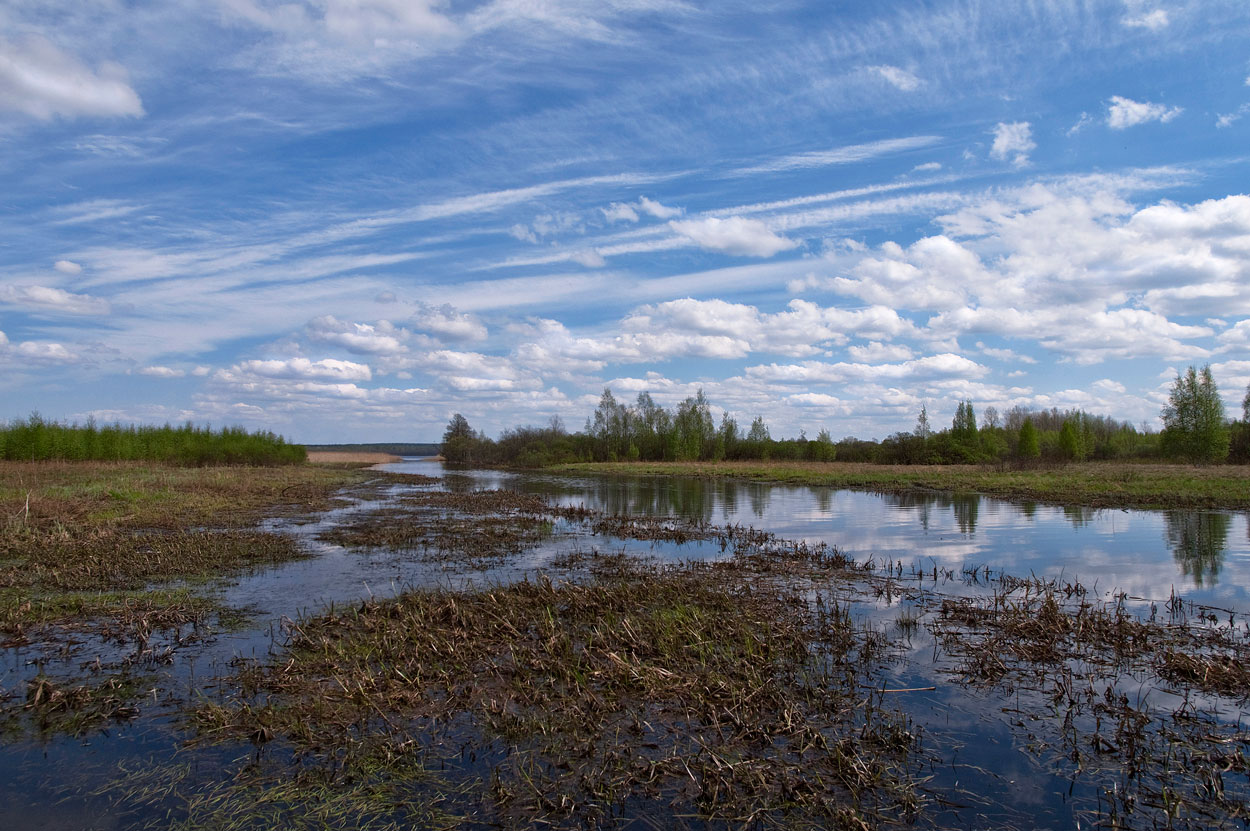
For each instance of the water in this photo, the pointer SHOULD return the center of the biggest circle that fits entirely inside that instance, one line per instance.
(1148, 555)
(1203, 556)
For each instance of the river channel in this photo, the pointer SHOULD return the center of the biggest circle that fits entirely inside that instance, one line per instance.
(1147, 559)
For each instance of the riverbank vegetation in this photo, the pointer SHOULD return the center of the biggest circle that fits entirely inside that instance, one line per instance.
(1195, 430)
(1097, 484)
(36, 439)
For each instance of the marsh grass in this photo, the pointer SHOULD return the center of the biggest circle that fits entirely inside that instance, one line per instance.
(1093, 668)
(1097, 484)
(647, 691)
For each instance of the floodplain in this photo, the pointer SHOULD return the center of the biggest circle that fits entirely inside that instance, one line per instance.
(310, 647)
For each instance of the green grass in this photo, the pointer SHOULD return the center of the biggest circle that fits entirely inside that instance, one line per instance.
(1097, 484)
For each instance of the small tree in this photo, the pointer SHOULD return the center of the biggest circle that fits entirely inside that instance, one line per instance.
(1193, 419)
(923, 429)
(1029, 447)
(1071, 442)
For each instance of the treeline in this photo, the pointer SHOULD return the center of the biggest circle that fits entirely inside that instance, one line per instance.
(1195, 430)
(1020, 435)
(644, 431)
(36, 439)
(393, 448)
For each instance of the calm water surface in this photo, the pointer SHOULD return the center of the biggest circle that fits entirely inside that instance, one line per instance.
(1203, 556)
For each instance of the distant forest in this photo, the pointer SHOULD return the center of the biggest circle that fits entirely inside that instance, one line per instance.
(394, 448)
(646, 431)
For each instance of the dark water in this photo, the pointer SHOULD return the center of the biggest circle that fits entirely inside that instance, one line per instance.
(1150, 555)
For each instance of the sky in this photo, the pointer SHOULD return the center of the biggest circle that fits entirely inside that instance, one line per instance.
(346, 220)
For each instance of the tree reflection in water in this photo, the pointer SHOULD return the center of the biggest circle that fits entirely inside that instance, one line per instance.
(1198, 540)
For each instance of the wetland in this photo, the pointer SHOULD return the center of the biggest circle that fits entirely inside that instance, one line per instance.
(413, 646)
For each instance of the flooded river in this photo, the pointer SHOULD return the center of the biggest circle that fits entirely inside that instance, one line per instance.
(1147, 559)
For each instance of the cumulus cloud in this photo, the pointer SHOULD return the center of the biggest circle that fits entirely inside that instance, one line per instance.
(900, 78)
(448, 323)
(329, 369)
(39, 352)
(1013, 142)
(945, 365)
(735, 235)
(1123, 113)
(877, 352)
(67, 267)
(360, 338)
(42, 81)
(54, 299)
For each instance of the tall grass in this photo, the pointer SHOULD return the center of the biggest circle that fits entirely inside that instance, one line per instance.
(36, 439)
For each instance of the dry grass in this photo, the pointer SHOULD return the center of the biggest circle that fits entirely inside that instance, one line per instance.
(345, 457)
(92, 540)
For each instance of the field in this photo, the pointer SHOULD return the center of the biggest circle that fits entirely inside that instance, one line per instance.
(1095, 484)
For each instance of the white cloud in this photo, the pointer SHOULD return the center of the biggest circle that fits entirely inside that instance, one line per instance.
(629, 211)
(162, 372)
(655, 209)
(446, 322)
(360, 338)
(1013, 141)
(1154, 19)
(67, 267)
(1229, 119)
(840, 155)
(901, 78)
(302, 368)
(927, 167)
(1123, 113)
(945, 365)
(619, 212)
(42, 352)
(735, 235)
(40, 80)
(54, 299)
(4, 339)
(877, 352)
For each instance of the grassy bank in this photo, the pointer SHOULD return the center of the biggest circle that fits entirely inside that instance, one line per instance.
(91, 539)
(1097, 484)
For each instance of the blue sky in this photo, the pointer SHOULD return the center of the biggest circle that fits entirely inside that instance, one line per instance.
(345, 220)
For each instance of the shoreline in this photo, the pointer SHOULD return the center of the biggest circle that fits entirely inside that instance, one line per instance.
(1090, 484)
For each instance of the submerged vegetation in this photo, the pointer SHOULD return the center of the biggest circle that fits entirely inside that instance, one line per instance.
(36, 439)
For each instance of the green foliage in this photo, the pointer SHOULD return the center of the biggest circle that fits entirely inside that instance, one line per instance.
(1193, 419)
(38, 440)
(1028, 447)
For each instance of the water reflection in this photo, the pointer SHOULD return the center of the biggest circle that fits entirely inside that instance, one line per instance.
(1198, 541)
(1079, 515)
(1140, 552)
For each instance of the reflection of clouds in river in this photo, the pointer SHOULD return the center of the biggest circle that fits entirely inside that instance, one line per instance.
(1144, 553)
